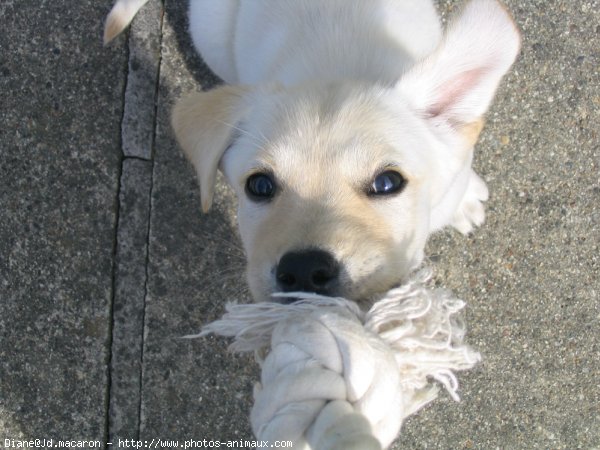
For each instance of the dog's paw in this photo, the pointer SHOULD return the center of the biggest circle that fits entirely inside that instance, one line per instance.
(471, 212)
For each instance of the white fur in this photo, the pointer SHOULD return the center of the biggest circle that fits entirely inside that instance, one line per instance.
(330, 93)
(293, 41)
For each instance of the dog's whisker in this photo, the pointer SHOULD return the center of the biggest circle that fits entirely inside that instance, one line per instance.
(230, 273)
(259, 140)
(230, 241)
(229, 256)
(221, 285)
(228, 248)
(217, 274)
(228, 289)
(213, 271)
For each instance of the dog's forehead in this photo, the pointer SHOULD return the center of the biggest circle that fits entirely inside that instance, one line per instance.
(338, 131)
(331, 108)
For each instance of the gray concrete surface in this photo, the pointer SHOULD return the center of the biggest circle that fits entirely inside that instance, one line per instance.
(105, 259)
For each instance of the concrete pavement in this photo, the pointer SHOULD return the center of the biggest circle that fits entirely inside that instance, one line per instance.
(105, 259)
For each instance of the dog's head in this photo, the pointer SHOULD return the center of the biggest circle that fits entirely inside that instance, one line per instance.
(340, 184)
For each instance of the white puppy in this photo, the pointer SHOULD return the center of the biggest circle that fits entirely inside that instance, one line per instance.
(347, 130)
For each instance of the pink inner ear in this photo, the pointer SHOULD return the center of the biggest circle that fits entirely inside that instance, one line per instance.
(453, 91)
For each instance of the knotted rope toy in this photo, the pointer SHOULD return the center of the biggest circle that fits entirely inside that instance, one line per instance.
(335, 377)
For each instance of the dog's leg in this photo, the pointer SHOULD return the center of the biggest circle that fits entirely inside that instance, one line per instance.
(470, 212)
(120, 16)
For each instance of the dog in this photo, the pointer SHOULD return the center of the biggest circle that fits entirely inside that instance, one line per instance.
(346, 129)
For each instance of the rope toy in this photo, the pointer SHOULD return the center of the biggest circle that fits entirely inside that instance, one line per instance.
(335, 377)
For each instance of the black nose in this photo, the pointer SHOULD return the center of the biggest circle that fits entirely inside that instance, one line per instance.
(309, 271)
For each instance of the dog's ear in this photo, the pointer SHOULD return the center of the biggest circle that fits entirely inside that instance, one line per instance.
(204, 125)
(456, 83)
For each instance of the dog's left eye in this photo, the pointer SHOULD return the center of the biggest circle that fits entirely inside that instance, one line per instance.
(386, 183)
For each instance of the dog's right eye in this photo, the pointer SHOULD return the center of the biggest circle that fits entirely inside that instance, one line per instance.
(260, 187)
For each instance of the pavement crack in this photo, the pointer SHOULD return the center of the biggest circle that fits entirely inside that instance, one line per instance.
(149, 217)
